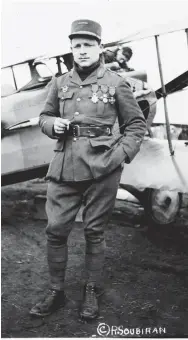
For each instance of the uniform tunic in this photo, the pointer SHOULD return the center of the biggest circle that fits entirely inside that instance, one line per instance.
(87, 169)
(86, 158)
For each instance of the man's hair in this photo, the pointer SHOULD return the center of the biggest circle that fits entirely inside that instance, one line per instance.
(127, 50)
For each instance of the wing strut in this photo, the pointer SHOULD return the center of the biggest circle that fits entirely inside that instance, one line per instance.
(164, 97)
(186, 32)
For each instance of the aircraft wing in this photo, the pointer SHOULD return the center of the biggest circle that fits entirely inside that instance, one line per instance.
(19, 61)
(174, 85)
(151, 32)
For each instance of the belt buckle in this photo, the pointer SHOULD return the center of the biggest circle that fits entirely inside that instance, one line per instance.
(76, 131)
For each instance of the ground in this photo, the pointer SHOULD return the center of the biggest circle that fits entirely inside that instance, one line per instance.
(145, 275)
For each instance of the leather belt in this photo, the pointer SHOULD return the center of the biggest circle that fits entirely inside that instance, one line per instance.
(88, 131)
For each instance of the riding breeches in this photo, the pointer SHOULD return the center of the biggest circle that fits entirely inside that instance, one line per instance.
(63, 203)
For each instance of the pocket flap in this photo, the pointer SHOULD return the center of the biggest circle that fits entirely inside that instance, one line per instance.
(104, 141)
(65, 95)
(59, 145)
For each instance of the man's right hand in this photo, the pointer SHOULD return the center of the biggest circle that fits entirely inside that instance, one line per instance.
(61, 125)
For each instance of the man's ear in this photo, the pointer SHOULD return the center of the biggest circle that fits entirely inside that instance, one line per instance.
(101, 48)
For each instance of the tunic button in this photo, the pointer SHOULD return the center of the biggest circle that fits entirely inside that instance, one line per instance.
(76, 113)
(74, 139)
(78, 99)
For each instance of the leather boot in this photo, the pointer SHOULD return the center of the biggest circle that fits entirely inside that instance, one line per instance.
(52, 301)
(89, 308)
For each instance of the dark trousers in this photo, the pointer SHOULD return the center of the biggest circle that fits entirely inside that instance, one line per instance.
(63, 203)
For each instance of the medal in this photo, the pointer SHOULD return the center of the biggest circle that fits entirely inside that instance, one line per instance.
(105, 98)
(94, 97)
(64, 88)
(112, 100)
(112, 91)
(104, 89)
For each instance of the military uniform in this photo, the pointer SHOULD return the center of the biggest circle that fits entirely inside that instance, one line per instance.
(87, 163)
(88, 166)
(90, 157)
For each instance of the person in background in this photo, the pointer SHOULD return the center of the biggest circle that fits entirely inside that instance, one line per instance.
(80, 111)
(117, 59)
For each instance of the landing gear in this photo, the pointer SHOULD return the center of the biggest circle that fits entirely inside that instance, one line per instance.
(161, 206)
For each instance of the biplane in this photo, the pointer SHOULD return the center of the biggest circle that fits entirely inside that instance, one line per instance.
(159, 169)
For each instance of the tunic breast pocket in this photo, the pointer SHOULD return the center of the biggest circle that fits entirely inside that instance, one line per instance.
(106, 110)
(65, 102)
(96, 104)
(105, 106)
(100, 107)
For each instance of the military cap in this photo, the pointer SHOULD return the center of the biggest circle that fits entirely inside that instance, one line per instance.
(86, 27)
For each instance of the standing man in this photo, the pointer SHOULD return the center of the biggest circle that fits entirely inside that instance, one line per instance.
(80, 111)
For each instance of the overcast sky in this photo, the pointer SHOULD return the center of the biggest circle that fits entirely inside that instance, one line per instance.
(32, 28)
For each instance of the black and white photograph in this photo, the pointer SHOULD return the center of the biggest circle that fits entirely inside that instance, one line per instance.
(94, 169)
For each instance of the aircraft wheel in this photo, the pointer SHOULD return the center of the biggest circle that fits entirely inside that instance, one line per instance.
(162, 206)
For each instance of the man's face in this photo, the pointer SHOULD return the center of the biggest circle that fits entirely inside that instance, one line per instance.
(120, 57)
(86, 51)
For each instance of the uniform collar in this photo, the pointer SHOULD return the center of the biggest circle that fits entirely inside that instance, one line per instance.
(92, 78)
